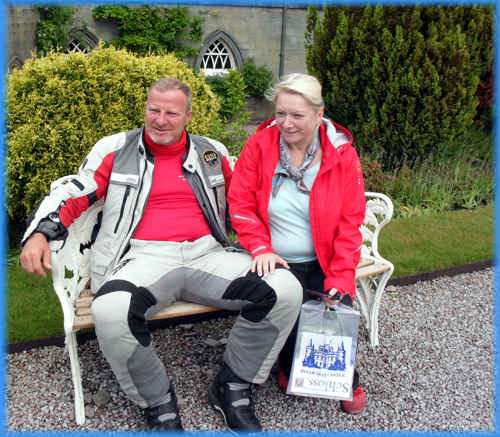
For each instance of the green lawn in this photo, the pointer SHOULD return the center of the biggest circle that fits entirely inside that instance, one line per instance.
(414, 245)
(33, 308)
(422, 244)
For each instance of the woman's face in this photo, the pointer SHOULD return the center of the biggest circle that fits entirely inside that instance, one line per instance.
(297, 119)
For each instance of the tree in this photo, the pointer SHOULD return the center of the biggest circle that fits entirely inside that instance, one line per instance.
(402, 79)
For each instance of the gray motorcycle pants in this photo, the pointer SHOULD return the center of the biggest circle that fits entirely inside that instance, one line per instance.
(153, 275)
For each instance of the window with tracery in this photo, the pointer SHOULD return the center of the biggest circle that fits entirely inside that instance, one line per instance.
(83, 43)
(217, 59)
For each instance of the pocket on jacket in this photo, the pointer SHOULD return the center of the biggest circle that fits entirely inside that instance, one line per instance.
(120, 193)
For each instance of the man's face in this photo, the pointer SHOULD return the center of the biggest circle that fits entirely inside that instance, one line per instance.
(166, 116)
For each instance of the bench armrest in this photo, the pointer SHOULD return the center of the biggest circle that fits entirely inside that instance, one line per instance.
(71, 262)
(379, 211)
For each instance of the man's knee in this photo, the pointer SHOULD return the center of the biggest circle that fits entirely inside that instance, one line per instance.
(279, 289)
(288, 289)
(259, 294)
(119, 309)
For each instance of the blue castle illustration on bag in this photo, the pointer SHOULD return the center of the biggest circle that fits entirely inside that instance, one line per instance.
(325, 356)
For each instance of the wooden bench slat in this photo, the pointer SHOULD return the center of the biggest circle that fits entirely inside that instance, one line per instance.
(83, 302)
(87, 292)
(83, 322)
(371, 270)
(181, 309)
(82, 311)
(83, 317)
(363, 262)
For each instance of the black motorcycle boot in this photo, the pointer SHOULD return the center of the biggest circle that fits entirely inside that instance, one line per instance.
(231, 396)
(164, 417)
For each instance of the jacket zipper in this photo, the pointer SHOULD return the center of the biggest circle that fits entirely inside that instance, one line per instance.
(125, 196)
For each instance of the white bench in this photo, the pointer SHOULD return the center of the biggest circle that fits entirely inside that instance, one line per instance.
(71, 274)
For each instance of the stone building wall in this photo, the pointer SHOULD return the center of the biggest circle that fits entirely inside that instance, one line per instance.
(253, 32)
(21, 25)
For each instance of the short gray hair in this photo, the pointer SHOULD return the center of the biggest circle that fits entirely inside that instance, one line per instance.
(299, 83)
(172, 83)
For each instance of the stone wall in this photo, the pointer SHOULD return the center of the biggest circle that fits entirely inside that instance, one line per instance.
(20, 34)
(255, 32)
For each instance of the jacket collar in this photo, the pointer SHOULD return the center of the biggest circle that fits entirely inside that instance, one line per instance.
(337, 135)
(333, 137)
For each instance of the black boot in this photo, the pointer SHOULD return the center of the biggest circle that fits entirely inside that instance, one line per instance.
(230, 395)
(164, 417)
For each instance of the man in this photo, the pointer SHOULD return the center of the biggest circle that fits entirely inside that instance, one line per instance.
(162, 238)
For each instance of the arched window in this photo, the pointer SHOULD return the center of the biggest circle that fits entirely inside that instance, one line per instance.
(83, 42)
(217, 59)
(15, 63)
(219, 54)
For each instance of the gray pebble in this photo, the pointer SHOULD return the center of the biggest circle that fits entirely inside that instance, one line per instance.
(101, 398)
(211, 342)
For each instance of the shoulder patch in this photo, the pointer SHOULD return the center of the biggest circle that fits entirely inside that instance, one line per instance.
(211, 159)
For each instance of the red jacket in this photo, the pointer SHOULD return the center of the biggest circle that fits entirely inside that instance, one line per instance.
(336, 207)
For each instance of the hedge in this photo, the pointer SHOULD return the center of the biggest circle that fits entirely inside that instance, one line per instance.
(61, 104)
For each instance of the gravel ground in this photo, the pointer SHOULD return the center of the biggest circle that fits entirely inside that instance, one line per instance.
(433, 370)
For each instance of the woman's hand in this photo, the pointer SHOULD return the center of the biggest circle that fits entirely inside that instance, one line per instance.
(334, 297)
(266, 263)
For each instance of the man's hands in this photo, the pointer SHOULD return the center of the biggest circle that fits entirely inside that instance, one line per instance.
(35, 256)
(266, 263)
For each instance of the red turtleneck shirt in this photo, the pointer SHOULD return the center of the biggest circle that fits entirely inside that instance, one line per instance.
(172, 212)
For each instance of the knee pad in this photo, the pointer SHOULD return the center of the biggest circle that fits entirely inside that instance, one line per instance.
(252, 288)
(133, 300)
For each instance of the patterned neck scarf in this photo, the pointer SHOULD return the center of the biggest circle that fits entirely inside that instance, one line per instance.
(297, 174)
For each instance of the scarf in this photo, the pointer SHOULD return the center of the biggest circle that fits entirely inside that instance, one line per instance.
(297, 174)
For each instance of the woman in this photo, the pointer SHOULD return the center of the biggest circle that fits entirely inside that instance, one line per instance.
(297, 200)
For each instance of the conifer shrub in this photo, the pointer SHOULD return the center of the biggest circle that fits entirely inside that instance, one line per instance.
(60, 105)
(402, 79)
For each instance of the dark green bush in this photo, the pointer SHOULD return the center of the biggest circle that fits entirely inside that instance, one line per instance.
(402, 79)
(257, 79)
(60, 105)
(53, 29)
(145, 30)
(230, 88)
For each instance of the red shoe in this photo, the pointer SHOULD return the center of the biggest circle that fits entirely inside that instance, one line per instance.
(357, 404)
(282, 378)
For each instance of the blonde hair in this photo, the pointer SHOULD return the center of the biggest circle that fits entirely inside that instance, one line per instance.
(299, 83)
(172, 83)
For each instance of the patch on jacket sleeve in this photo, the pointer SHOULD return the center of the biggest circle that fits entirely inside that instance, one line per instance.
(212, 167)
(211, 159)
